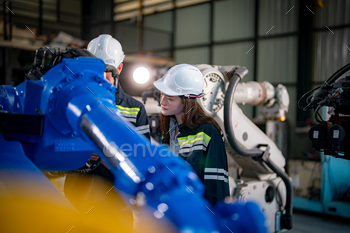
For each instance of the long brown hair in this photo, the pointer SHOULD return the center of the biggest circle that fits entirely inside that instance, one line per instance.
(193, 117)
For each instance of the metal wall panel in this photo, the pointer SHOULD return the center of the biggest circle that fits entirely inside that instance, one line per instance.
(127, 36)
(192, 25)
(281, 16)
(101, 9)
(156, 39)
(233, 19)
(72, 6)
(295, 139)
(161, 21)
(157, 31)
(192, 56)
(72, 11)
(49, 14)
(183, 3)
(331, 52)
(28, 9)
(101, 29)
(277, 63)
(277, 60)
(334, 12)
(293, 100)
(27, 13)
(165, 54)
(236, 54)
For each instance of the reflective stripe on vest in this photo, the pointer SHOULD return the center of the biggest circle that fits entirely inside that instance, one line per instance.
(191, 139)
(216, 174)
(190, 143)
(129, 113)
(143, 129)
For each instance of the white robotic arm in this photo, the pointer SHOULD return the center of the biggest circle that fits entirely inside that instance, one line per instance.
(246, 132)
(262, 178)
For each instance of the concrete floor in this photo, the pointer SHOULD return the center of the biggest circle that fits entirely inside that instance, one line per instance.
(308, 222)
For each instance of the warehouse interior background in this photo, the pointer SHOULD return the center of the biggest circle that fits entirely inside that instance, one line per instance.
(295, 43)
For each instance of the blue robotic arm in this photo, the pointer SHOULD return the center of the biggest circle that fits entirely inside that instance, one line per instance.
(73, 107)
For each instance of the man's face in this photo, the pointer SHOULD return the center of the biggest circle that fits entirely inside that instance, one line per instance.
(109, 77)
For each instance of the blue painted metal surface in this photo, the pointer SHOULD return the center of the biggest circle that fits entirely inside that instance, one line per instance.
(335, 182)
(302, 203)
(81, 118)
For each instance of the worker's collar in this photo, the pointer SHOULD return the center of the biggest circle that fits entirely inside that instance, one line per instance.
(119, 94)
(173, 123)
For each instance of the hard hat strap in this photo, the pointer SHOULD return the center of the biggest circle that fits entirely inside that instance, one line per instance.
(194, 96)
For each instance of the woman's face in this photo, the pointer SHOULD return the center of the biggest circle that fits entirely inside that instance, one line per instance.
(171, 105)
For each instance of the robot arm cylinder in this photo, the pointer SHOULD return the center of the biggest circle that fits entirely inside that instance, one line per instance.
(254, 93)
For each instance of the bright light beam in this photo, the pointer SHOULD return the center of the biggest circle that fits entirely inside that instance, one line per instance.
(141, 75)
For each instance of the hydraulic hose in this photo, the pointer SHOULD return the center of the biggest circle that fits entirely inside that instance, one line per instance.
(237, 76)
(286, 219)
(337, 74)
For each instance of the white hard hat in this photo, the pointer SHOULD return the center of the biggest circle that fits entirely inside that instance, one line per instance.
(108, 49)
(183, 79)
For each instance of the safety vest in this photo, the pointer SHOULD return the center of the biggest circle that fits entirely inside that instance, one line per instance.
(204, 149)
(133, 111)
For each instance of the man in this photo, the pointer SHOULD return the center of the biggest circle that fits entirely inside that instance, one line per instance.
(94, 190)
(110, 51)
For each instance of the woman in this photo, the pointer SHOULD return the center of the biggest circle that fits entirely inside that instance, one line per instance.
(190, 133)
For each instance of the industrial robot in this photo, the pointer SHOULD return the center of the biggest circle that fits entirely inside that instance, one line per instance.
(62, 114)
(330, 136)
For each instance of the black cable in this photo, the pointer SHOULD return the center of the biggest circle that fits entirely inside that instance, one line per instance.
(307, 106)
(287, 218)
(328, 83)
(309, 99)
(337, 74)
(299, 106)
(228, 121)
(309, 102)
